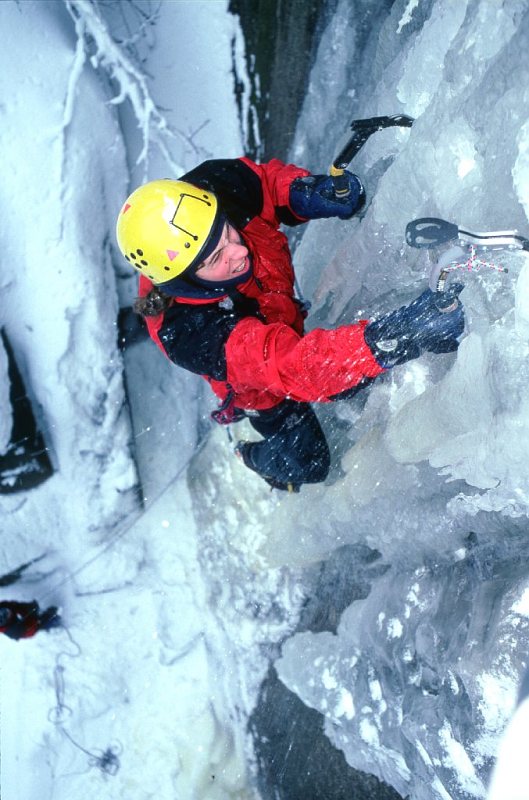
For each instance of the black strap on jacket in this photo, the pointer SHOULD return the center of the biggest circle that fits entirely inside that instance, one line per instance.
(194, 336)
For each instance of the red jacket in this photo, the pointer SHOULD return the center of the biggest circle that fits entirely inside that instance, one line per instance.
(22, 619)
(262, 356)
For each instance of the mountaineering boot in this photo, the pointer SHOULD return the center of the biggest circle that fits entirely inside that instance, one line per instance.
(243, 450)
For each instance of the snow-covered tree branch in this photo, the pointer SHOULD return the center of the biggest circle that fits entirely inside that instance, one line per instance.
(96, 44)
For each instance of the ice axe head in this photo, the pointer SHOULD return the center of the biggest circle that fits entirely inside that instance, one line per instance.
(361, 129)
(430, 231)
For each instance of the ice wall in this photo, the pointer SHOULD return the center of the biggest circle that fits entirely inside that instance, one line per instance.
(421, 676)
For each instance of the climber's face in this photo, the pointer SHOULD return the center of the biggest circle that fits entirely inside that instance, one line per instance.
(229, 258)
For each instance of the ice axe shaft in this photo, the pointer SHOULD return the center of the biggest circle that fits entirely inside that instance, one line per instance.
(361, 129)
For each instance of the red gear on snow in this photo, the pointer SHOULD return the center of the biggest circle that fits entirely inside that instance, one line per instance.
(270, 359)
(23, 620)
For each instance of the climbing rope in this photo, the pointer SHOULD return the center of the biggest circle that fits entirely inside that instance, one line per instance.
(105, 760)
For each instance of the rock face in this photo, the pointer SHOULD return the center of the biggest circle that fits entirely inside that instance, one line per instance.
(296, 759)
(280, 42)
(24, 460)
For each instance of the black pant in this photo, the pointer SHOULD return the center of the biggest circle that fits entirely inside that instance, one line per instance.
(294, 448)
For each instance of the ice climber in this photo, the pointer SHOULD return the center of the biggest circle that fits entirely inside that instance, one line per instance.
(20, 620)
(216, 290)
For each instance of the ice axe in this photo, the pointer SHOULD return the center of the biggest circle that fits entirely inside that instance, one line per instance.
(429, 232)
(361, 129)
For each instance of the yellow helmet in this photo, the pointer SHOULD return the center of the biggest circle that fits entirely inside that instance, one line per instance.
(164, 227)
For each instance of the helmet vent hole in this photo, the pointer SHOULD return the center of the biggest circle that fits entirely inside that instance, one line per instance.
(167, 269)
(133, 255)
(187, 244)
(139, 252)
(128, 259)
(145, 263)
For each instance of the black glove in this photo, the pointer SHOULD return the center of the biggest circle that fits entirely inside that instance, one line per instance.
(314, 197)
(430, 323)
